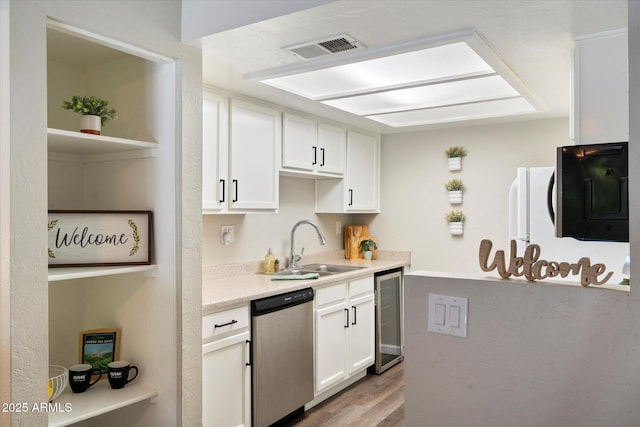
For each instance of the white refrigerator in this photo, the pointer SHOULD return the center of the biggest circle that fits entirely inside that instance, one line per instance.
(531, 221)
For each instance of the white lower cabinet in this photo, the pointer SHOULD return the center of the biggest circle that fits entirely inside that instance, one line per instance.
(345, 331)
(226, 374)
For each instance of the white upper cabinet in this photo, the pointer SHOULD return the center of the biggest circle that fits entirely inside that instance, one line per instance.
(601, 88)
(240, 151)
(312, 149)
(363, 172)
(215, 152)
(254, 151)
(360, 190)
(246, 145)
(332, 142)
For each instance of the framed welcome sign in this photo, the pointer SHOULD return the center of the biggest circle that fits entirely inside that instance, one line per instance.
(99, 238)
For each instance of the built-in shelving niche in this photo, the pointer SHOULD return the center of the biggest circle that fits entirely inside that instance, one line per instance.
(129, 167)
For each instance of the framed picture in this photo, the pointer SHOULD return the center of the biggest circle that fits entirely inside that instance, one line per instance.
(99, 238)
(99, 347)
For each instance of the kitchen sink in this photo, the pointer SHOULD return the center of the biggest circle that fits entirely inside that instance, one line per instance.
(330, 268)
(300, 272)
(321, 269)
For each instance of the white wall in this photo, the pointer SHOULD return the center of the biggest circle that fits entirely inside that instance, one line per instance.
(414, 200)
(256, 233)
(5, 185)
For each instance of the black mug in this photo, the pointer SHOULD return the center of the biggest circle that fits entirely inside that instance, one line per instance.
(119, 373)
(80, 377)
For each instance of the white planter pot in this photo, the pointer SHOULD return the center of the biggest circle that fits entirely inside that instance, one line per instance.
(456, 228)
(455, 197)
(90, 124)
(368, 254)
(455, 163)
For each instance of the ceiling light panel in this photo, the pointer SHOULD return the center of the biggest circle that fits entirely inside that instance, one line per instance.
(452, 61)
(478, 110)
(445, 78)
(429, 96)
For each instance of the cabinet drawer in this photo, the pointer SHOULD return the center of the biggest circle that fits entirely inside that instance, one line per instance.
(361, 286)
(332, 293)
(217, 324)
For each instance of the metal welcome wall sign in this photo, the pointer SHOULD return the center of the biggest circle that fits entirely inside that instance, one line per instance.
(533, 268)
(99, 238)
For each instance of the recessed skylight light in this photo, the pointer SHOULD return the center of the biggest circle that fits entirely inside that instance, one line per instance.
(453, 113)
(442, 79)
(428, 96)
(411, 68)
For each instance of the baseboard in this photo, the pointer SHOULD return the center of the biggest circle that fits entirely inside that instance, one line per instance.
(336, 389)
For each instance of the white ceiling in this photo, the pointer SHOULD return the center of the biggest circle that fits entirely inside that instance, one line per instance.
(533, 37)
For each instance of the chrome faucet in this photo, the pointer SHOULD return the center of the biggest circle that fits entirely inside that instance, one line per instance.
(293, 258)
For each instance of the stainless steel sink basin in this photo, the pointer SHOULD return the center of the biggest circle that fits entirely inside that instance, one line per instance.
(321, 269)
(330, 268)
(300, 272)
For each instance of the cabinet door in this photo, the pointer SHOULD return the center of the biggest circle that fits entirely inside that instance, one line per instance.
(331, 346)
(332, 143)
(361, 332)
(362, 172)
(255, 139)
(601, 105)
(226, 382)
(215, 152)
(299, 143)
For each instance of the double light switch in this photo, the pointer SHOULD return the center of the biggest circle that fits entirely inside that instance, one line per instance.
(448, 315)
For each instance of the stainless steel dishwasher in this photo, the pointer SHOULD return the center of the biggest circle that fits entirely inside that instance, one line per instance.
(282, 356)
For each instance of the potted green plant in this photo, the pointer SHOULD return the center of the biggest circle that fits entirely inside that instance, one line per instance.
(455, 155)
(456, 222)
(95, 112)
(366, 246)
(455, 187)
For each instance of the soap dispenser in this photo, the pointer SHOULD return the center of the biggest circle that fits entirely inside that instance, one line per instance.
(269, 260)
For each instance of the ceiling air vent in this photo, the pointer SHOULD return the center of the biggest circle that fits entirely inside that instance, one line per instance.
(326, 46)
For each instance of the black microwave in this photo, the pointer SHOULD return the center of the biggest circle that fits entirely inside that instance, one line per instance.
(592, 190)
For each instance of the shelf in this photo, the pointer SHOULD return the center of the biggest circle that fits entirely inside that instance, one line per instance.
(69, 142)
(68, 273)
(98, 400)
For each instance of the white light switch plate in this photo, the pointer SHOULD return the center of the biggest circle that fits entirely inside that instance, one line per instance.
(448, 315)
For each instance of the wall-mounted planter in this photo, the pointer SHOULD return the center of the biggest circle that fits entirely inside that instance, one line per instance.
(454, 187)
(455, 197)
(456, 222)
(455, 155)
(455, 163)
(456, 228)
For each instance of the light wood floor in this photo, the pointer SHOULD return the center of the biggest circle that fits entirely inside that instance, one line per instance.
(374, 401)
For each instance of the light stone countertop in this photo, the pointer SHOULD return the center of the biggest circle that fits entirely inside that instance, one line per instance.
(232, 284)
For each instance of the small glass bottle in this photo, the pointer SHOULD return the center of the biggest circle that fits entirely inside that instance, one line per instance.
(276, 266)
(269, 262)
